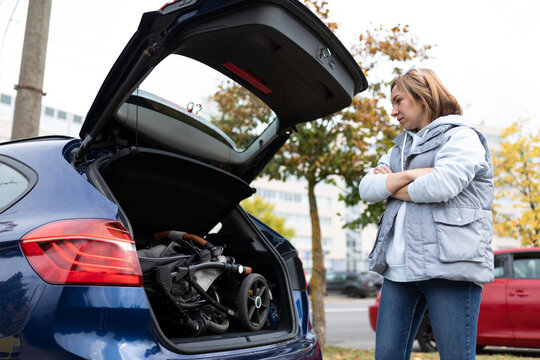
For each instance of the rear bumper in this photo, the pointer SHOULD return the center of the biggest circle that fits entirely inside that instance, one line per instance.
(77, 322)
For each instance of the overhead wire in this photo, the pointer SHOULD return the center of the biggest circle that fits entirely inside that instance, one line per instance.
(6, 31)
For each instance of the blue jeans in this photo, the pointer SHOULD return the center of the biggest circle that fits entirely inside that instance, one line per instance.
(453, 311)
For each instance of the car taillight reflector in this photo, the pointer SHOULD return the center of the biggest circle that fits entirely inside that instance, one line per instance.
(83, 252)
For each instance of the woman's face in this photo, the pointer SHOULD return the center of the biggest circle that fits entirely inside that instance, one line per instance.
(410, 115)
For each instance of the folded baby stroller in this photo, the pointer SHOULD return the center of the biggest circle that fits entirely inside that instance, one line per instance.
(179, 277)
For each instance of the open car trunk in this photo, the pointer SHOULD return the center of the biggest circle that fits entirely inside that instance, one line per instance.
(178, 176)
(158, 191)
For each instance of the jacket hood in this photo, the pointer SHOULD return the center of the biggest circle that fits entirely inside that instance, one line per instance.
(443, 120)
(456, 120)
(448, 120)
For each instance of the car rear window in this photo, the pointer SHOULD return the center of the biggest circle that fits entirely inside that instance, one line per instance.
(212, 96)
(16, 180)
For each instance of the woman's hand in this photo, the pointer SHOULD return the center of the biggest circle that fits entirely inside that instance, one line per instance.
(382, 170)
(397, 183)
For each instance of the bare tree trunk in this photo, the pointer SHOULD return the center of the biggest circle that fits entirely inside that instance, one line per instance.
(29, 90)
(318, 272)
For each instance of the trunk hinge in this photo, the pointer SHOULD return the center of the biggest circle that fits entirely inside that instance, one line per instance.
(78, 153)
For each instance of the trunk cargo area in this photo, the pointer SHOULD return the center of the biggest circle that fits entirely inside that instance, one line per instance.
(157, 191)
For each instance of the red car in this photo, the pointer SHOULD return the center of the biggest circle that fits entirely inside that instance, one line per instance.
(510, 307)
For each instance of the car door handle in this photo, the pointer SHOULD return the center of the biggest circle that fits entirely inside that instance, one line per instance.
(518, 293)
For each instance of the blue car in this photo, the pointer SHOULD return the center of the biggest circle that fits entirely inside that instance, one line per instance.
(130, 243)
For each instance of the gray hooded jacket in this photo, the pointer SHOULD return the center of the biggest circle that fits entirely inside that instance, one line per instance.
(449, 239)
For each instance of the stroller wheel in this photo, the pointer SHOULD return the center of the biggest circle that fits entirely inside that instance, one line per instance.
(218, 322)
(214, 320)
(253, 302)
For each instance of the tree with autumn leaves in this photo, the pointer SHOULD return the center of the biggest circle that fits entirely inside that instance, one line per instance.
(264, 211)
(343, 145)
(517, 182)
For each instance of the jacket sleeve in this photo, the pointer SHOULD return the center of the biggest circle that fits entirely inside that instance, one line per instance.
(373, 186)
(456, 165)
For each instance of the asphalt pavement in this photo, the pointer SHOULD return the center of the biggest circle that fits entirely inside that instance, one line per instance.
(347, 322)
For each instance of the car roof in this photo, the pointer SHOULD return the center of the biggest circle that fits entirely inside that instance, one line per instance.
(515, 250)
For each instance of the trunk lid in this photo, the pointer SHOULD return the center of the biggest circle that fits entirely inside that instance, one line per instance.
(278, 50)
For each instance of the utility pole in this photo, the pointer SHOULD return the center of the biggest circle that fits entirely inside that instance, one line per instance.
(29, 89)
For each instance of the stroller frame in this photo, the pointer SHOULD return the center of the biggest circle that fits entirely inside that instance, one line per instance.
(201, 312)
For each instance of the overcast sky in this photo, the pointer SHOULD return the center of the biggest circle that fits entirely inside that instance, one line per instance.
(486, 51)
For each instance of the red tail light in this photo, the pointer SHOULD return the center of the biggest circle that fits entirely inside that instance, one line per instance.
(83, 251)
(249, 77)
(167, 4)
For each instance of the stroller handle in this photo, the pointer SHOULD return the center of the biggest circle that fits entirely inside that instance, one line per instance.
(196, 239)
(179, 235)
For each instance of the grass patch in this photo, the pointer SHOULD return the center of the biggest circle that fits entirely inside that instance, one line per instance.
(339, 353)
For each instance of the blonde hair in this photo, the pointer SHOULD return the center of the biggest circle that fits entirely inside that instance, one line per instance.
(424, 87)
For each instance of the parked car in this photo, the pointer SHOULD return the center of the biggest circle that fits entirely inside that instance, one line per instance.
(129, 242)
(509, 309)
(354, 284)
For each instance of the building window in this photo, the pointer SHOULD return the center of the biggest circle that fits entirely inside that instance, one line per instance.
(49, 111)
(302, 241)
(297, 219)
(267, 194)
(77, 119)
(326, 242)
(5, 99)
(325, 221)
(288, 196)
(305, 242)
(324, 201)
(62, 115)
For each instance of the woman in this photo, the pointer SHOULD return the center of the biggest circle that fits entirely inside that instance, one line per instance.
(433, 241)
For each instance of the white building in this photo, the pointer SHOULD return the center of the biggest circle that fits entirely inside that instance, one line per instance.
(291, 202)
(53, 121)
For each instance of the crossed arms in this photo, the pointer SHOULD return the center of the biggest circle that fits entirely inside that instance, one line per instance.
(398, 183)
(455, 166)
